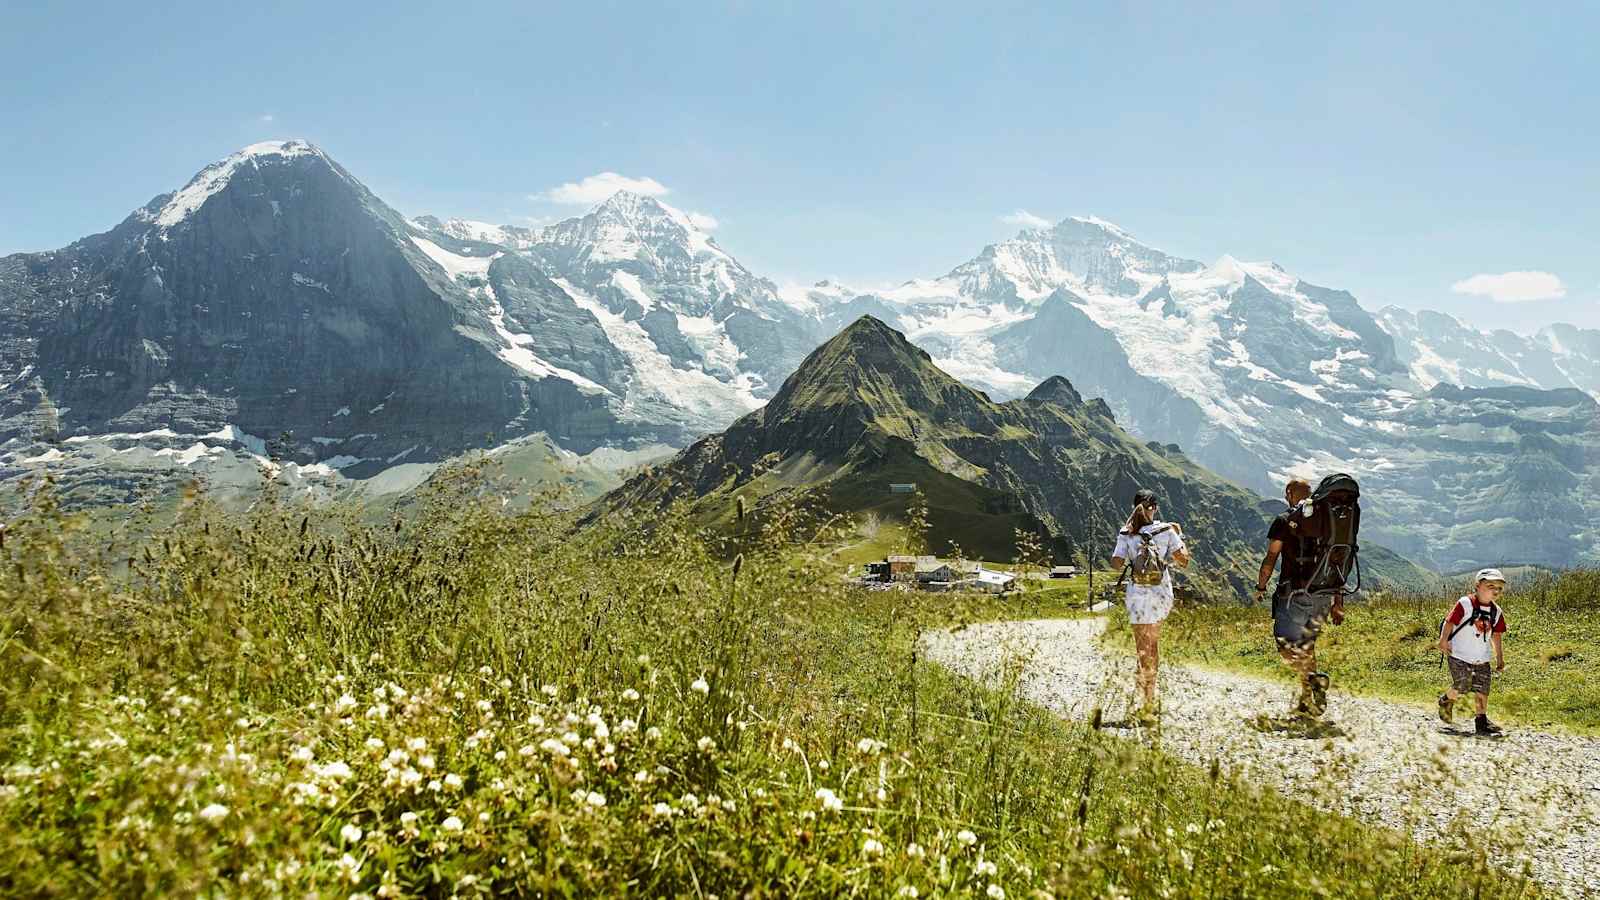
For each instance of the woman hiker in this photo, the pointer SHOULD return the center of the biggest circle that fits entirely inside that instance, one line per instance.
(1149, 548)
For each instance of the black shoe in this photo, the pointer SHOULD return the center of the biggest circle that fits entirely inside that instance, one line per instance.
(1483, 726)
(1445, 709)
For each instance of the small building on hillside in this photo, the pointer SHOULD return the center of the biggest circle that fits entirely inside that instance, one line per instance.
(901, 568)
(930, 569)
(910, 488)
(1064, 572)
(994, 582)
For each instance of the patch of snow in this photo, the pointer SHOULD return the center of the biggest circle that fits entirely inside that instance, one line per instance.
(342, 411)
(326, 441)
(454, 264)
(342, 461)
(51, 455)
(308, 281)
(516, 353)
(123, 436)
(376, 409)
(250, 442)
(709, 338)
(190, 455)
(402, 454)
(629, 284)
(26, 371)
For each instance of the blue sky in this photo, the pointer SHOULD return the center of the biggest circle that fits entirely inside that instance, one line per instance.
(1397, 153)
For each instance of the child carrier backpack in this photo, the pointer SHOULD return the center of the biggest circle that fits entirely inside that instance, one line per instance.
(1148, 565)
(1327, 525)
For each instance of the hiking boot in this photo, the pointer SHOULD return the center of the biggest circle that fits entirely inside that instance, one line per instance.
(1316, 695)
(1446, 714)
(1482, 725)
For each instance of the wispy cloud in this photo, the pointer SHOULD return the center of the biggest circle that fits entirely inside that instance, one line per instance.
(1512, 287)
(598, 188)
(1026, 219)
(266, 118)
(703, 221)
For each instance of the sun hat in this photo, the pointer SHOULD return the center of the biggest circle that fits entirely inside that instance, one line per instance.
(1490, 575)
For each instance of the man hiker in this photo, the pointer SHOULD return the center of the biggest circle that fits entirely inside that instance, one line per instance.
(1295, 625)
(1474, 625)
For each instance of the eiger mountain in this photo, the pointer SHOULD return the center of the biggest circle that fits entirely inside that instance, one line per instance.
(273, 307)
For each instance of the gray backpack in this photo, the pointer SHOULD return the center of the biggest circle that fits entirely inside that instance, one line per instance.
(1149, 566)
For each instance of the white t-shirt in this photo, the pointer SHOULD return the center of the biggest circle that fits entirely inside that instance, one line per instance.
(1165, 544)
(1471, 644)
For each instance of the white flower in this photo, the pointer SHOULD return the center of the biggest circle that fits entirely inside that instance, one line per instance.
(706, 745)
(302, 755)
(871, 847)
(485, 706)
(627, 726)
(336, 770)
(485, 671)
(571, 739)
(630, 695)
(868, 746)
(410, 778)
(984, 867)
(652, 733)
(425, 761)
(550, 746)
(699, 686)
(350, 867)
(374, 744)
(662, 810)
(452, 781)
(483, 817)
(595, 799)
(995, 892)
(435, 785)
(966, 838)
(350, 834)
(550, 691)
(345, 703)
(213, 812)
(499, 756)
(915, 851)
(909, 890)
(451, 823)
(417, 745)
(408, 819)
(788, 745)
(830, 800)
(397, 758)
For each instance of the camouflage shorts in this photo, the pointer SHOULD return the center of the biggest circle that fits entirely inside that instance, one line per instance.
(1470, 678)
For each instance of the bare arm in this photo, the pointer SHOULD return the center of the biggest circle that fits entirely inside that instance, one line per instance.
(1499, 652)
(1274, 550)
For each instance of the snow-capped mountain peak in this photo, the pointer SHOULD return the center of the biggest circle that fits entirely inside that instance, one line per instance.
(214, 178)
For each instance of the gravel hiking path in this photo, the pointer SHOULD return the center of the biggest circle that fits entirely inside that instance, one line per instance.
(1386, 763)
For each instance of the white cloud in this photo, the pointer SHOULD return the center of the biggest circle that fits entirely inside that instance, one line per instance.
(267, 118)
(703, 221)
(599, 188)
(1512, 287)
(1026, 219)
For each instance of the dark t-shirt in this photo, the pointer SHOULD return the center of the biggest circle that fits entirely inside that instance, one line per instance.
(1289, 559)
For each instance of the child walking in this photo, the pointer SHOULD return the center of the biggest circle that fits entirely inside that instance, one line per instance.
(1475, 625)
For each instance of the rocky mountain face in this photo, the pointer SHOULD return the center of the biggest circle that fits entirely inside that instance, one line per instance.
(868, 409)
(1261, 375)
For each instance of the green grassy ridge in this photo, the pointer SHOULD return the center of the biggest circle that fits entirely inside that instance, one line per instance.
(228, 715)
(1387, 648)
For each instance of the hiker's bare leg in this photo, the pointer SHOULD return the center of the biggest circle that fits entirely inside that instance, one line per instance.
(1453, 694)
(1480, 703)
(1145, 643)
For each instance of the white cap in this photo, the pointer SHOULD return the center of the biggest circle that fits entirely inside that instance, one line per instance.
(1490, 575)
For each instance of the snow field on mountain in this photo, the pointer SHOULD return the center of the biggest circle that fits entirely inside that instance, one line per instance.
(214, 178)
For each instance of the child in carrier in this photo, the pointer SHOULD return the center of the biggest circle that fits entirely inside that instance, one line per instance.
(1475, 625)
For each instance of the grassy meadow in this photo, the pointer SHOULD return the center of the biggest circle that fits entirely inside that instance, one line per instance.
(464, 702)
(1388, 648)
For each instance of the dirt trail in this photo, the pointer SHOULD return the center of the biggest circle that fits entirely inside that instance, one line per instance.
(1382, 759)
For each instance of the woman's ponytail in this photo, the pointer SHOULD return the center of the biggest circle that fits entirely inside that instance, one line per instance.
(1138, 519)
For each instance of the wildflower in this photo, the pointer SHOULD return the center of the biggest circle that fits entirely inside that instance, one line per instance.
(301, 755)
(915, 851)
(909, 890)
(699, 686)
(966, 838)
(548, 745)
(550, 691)
(417, 745)
(823, 765)
(571, 739)
(397, 758)
(350, 868)
(241, 722)
(408, 823)
(499, 756)
(706, 745)
(485, 671)
(425, 761)
(214, 812)
(595, 799)
(435, 786)
(630, 695)
(871, 847)
(335, 770)
(985, 867)
(759, 793)
(995, 892)
(483, 818)
(662, 810)
(788, 745)
(644, 659)
(451, 823)
(378, 711)
(652, 734)
(452, 781)
(627, 726)
(485, 706)
(350, 834)
(505, 684)
(830, 800)
(869, 747)
(345, 703)
(410, 778)
(374, 744)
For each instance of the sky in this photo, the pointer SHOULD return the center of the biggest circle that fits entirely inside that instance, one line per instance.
(1424, 155)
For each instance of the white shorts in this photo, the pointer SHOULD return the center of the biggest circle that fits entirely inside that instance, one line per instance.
(1148, 605)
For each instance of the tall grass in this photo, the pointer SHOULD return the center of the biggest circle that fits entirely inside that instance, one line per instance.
(465, 702)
